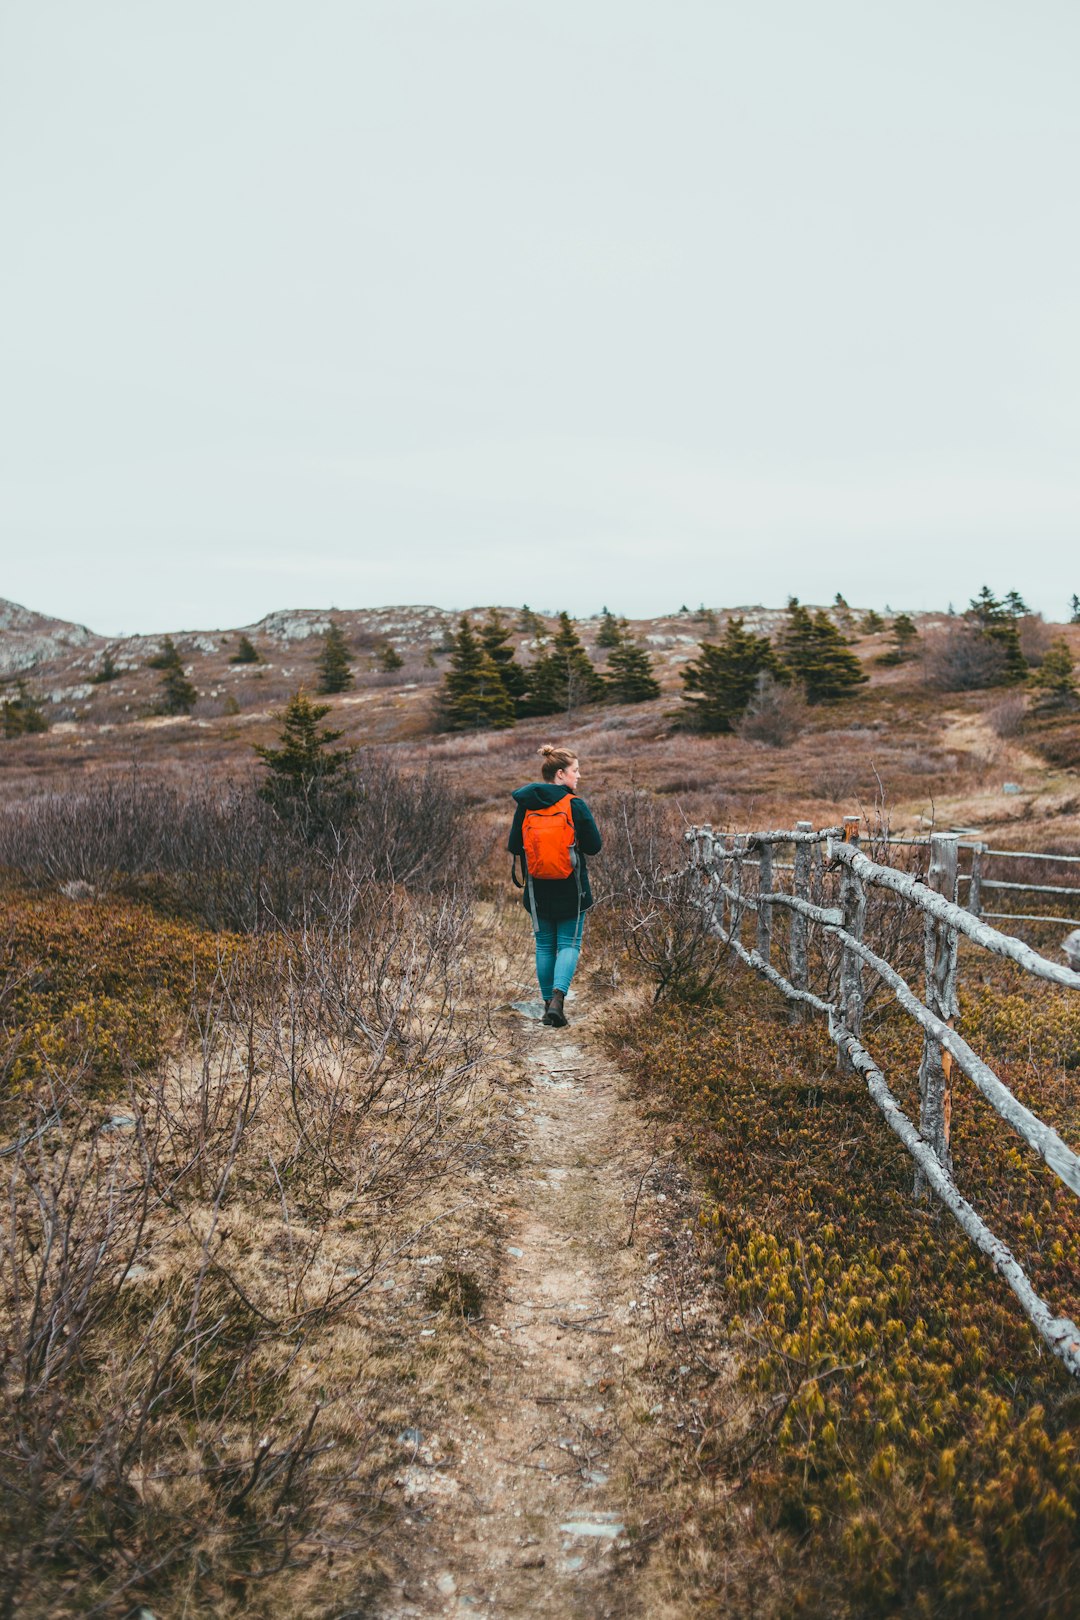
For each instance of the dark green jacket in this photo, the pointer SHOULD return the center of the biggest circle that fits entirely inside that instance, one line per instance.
(556, 897)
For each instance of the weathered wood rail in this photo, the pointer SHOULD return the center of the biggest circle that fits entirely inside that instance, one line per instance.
(739, 877)
(977, 880)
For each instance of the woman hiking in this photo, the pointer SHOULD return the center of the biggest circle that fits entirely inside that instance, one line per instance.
(553, 831)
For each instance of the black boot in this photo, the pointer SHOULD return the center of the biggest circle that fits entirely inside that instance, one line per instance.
(555, 1018)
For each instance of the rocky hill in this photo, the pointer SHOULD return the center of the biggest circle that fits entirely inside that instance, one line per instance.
(28, 639)
(60, 660)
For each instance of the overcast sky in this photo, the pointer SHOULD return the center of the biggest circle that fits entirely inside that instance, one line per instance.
(573, 302)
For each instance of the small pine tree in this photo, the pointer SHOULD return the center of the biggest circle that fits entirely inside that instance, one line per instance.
(610, 633)
(530, 623)
(474, 697)
(630, 674)
(843, 611)
(872, 622)
(308, 781)
(1055, 679)
(390, 660)
(563, 677)
(106, 670)
(985, 609)
(1074, 607)
(721, 680)
(904, 635)
(246, 652)
(178, 696)
(1014, 605)
(495, 640)
(22, 715)
(334, 663)
(817, 655)
(167, 658)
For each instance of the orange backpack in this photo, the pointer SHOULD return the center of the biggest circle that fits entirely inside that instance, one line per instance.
(548, 837)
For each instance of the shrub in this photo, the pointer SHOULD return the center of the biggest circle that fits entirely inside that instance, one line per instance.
(964, 659)
(908, 1432)
(776, 714)
(180, 1427)
(1006, 719)
(655, 898)
(222, 856)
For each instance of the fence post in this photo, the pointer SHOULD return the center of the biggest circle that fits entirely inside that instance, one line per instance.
(736, 907)
(716, 870)
(935, 1070)
(798, 965)
(764, 912)
(974, 905)
(853, 906)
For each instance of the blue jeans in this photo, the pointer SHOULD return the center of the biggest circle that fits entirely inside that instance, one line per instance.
(558, 946)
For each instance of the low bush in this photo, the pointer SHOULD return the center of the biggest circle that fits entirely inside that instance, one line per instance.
(963, 659)
(906, 1430)
(181, 1428)
(223, 857)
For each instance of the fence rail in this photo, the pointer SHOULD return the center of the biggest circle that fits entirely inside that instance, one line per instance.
(739, 876)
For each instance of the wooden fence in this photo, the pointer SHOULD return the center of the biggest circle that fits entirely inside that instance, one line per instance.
(740, 877)
(982, 860)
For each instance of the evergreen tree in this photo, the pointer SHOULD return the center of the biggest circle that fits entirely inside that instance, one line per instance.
(630, 673)
(1074, 607)
(473, 696)
(563, 677)
(22, 715)
(334, 663)
(530, 623)
(721, 680)
(904, 635)
(1007, 636)
(611, 630)
(495, 640)
(1055, 678)
(106, 670)
(817, 655)
(178, 696)
(986, 610)
(843, 611)
(389, 658)
(246, 652)
(872, 622)
(308, 780)
(167, 658)
(999, 623)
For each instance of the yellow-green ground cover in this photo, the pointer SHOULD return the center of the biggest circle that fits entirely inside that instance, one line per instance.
(904, 1430)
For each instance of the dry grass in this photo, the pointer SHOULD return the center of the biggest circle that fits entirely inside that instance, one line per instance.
(203, 1276)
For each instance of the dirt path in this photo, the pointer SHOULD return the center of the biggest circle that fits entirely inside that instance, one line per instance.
(536, 1512)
